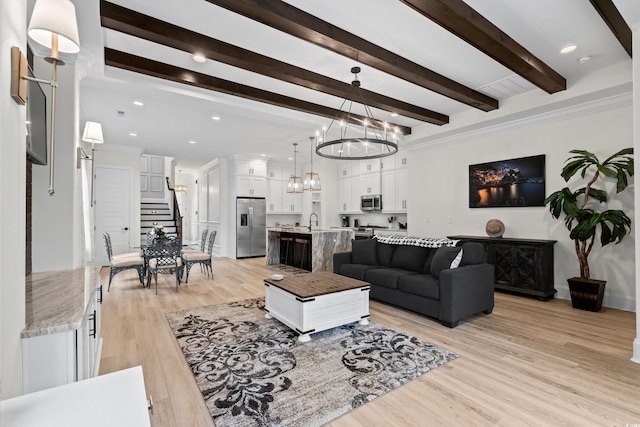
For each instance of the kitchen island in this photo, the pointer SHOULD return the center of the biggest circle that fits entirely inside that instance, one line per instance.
(318, 254)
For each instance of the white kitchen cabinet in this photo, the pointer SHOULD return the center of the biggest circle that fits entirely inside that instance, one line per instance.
(394, 191)
(251, 167)
(401, 189)
(274, 196)
(345, 170)
(274, 172)
(291, 202)
(252, 186)
(278, 200)
(369, 166)
(370, 183)
(61, 341)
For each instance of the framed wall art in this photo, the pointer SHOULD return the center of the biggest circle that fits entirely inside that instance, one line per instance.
(508, 183)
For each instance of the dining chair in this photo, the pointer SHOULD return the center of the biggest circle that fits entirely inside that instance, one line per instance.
(202, 258)
(121, 262)
(203, 242)
(164, 256)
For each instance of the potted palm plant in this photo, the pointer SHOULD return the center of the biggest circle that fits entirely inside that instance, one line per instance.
(585, 213)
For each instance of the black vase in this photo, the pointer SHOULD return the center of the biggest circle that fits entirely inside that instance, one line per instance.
(586, 294)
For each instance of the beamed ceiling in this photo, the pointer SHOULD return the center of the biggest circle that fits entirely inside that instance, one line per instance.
(277, 71)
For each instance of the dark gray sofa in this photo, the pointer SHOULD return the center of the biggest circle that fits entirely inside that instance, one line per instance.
(421, 279)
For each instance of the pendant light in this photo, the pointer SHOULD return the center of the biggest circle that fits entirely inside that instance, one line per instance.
(377, 141)
(311, 178)
(180, 188)
(295, 182)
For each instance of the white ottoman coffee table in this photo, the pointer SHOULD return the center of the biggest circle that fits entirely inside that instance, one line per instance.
(315, 302)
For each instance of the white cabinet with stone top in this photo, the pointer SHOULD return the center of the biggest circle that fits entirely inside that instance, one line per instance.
(61, 341)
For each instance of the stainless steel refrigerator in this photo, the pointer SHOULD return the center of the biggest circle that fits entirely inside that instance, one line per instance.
(251, 227)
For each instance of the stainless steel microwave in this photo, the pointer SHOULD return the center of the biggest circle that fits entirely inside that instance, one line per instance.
(372, 202)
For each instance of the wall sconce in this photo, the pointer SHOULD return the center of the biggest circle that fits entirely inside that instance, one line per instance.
(53, 25)
(93, 134)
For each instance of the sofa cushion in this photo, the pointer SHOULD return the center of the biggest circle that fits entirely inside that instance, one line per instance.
(355, 271)
(384, 253)
(387, 277)
(473, 254)
(410, 258)
(364, 252)
(445, 258)
(427, 264)
(420, 284)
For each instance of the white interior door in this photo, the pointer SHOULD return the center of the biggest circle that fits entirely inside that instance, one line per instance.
(112, 204)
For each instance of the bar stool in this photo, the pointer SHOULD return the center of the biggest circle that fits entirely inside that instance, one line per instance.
(299, 241)
(286, 242)
(274, 242)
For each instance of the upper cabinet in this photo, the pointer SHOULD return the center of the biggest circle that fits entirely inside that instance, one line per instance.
(278, 200)
(251, 167)
(251, 178)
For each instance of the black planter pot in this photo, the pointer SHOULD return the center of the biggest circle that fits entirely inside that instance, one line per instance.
(586, 294)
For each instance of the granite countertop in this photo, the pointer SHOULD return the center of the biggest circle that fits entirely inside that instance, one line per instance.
(56, 301)
(305, 230)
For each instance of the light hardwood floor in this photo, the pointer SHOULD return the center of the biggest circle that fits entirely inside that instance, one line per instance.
(528, 363)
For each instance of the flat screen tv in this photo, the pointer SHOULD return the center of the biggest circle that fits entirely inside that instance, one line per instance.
(36, 123)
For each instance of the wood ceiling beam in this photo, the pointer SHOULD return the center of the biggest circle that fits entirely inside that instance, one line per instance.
(612, 17)
(298, 23)
(460, 19)
(143, 26)
(127, 61)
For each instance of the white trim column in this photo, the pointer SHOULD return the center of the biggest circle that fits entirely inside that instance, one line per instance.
(636, 149)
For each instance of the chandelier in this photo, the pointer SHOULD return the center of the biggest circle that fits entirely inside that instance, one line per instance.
(295, 182)
(311, 178)
(378, 140)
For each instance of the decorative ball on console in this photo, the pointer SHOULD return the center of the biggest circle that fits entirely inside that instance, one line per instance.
(495, 228)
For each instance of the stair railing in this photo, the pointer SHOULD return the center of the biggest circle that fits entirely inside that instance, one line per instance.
(177, 216)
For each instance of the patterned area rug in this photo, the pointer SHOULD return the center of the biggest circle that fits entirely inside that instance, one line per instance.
(252, 371)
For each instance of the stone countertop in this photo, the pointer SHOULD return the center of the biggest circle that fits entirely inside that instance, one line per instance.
(305, 230)
(56, 301)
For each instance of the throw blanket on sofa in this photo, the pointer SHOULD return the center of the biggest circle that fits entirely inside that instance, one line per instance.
(425, 242)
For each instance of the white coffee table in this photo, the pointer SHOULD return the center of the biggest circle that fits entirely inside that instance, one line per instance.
(315, 302)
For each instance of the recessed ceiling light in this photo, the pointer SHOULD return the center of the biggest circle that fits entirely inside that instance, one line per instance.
(289, 158)
(215, 118)
(394, 114)
(199, 58)
(138, 103)
(192, 142)
(568, 49)
(263, 155)
(133, 134)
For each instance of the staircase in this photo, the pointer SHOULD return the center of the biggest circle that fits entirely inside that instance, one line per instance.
(152, 214)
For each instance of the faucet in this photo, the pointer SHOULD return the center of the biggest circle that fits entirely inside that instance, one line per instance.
(312, 214)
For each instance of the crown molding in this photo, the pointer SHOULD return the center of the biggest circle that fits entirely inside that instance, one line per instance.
(603, 100)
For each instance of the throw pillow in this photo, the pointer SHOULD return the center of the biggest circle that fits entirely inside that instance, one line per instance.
(474, 253)
(364, 252)
(384, 254)
(410, 258)
(445, 258)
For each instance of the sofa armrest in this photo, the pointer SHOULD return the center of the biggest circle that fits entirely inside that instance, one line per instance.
(340, 258)
(465, 291)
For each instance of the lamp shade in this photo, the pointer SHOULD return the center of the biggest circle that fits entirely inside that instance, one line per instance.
(55, 17)
(93, 133)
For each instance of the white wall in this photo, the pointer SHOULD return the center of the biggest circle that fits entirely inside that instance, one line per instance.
(13, 16)
(57, 233)
(438, 192)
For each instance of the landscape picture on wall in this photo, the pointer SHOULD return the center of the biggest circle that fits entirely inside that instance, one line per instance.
(507, 183)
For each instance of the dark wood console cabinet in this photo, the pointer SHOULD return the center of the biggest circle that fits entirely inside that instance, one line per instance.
(521, 265)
